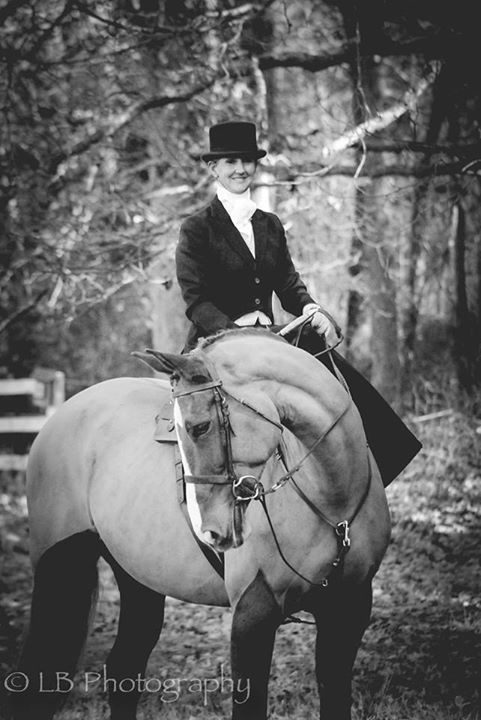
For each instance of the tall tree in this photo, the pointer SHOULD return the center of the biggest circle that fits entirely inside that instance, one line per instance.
(105, 109)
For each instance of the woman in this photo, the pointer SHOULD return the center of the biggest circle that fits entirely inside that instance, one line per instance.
(231, 257)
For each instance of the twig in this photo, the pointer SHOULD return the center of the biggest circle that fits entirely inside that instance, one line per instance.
(381, 120)
(23, 311)
(432, 416)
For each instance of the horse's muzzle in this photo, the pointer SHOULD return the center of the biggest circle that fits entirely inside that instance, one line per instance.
(231, 536)
(219, 542)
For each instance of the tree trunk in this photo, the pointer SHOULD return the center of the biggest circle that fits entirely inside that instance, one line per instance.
(357, 265)
(371, 241)
(271, 88)
(466, 334)
(383, 316)
(413, 250)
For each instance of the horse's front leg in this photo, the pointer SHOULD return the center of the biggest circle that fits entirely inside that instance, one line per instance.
(256, 617)
(342, 614)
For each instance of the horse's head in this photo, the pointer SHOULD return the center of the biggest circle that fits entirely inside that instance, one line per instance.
(224, 444)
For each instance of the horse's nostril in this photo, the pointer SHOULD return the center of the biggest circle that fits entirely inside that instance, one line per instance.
(211, 537)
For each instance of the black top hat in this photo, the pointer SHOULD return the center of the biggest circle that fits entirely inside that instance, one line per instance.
(233, 139)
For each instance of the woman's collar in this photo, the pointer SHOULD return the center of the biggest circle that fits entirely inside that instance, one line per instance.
(225, 196)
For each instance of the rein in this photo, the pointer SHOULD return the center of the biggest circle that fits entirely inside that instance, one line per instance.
(341, 530)
(248, 487)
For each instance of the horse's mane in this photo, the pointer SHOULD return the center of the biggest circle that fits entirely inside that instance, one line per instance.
(239, 332)
(201, 350)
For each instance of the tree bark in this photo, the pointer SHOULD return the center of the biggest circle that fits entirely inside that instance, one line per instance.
(466, 332)
(372, 234)
(414, 247)
(383, 318)
(357, 264)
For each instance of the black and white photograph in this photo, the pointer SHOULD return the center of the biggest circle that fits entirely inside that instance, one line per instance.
(240, 360)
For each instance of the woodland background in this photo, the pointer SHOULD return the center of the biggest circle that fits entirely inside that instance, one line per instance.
(370, 112)
(371, 115)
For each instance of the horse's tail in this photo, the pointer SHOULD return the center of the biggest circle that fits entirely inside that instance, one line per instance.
(63, 602)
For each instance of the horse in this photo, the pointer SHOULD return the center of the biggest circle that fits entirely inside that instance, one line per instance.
(279, 479)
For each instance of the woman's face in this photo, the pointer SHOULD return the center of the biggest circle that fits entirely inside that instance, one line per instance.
(235, 174)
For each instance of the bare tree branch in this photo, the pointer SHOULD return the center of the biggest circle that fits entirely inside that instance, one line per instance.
(305, 60)
(381, 120)
(468, 149)
(440, 169)
(379, 145)
(432, 47)
(22, 311)
(113, 125)
(48, 31)
(239, 13)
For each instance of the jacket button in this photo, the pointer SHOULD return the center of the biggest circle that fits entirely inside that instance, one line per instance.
(257, 280)
(257, 301)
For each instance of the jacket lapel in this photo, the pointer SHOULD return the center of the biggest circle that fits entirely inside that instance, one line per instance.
(259, 225)
(229, 232)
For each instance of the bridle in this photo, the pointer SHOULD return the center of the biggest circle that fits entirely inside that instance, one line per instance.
(230, 477)
(248, 487)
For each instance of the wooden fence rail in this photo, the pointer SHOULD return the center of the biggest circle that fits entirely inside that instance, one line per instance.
(25, 406)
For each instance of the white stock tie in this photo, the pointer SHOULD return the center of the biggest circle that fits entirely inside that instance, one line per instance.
(240, 209)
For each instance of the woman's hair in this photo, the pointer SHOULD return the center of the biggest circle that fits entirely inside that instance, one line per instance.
(214, 161)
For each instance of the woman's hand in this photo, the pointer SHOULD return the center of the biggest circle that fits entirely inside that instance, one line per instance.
(319, 321)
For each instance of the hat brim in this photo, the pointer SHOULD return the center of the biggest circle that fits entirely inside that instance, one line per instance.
(257, 155)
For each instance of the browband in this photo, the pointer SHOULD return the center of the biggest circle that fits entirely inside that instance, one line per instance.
(197, 388)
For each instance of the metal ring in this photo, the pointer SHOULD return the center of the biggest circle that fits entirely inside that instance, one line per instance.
(238, 482)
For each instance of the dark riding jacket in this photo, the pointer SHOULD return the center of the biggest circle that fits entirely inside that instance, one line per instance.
(219, 278)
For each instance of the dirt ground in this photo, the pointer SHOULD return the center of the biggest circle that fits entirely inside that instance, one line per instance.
(420, 657)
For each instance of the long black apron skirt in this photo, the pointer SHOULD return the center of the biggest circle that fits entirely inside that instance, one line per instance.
(392, 443)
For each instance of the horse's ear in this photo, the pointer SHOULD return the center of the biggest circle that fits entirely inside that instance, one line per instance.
(161, 362)
(170, 364)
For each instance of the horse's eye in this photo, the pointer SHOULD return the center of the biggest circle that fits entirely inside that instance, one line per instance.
(200, 429)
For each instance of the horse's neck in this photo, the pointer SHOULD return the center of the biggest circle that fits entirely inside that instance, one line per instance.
(309, 400)
(306, 395)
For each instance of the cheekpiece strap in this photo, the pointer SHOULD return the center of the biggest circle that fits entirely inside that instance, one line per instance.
(197, 388)
(208, 479)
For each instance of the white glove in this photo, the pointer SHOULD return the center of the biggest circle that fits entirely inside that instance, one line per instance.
(319, 322)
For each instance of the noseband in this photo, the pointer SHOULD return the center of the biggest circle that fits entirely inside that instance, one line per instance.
(247, 487)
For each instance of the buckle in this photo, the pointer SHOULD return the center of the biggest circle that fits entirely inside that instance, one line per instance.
(342, 531)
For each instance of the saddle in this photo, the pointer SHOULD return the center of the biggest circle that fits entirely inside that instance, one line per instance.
(164, 423)
(165, 433)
